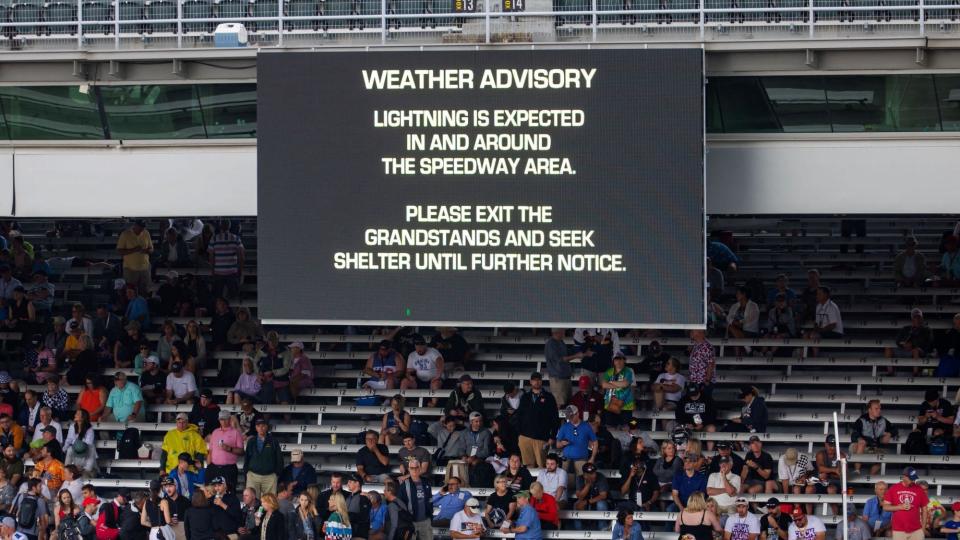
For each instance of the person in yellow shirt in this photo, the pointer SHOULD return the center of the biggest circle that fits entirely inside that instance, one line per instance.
(136, 247)
(185, 438)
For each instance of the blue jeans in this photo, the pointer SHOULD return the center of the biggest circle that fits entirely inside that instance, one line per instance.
(949, 366)
(600, 506)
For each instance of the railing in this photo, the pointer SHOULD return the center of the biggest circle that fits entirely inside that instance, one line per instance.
(104, 24)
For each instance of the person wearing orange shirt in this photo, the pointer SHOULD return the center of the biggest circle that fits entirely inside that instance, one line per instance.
(49, 468)
(11, 434)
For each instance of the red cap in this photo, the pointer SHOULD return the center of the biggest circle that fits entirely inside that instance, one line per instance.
(786, 508)
(956, 506)
(798, 512)
(91, 500)
(585, 382)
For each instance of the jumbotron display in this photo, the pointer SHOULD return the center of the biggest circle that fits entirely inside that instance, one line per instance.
(498, 187)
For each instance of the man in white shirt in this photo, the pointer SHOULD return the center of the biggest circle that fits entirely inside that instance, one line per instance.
(467, 523)
(46, 419)
(742, 525)
(805, 527)
(724, 486)
(828, 323)
(554, 479)
(181, 385)
(743, 319)
(424, 367)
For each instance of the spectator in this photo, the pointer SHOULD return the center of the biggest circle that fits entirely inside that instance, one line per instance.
(910, 266)
(510, 400)
(949, 351)
(857, 529)
(553, 479)
(135, 245)
(11, 435)
(301, 369)
(137, 309)
(227, 259)
(195, 344)
(358, 507)
(576, 441)
(587, 400)
(625, 528)
(597, 346)
(40, 294)
(106, 333)
(935, 415)
(952, 526)
(464, 398)
(272, 524)
(500, 504)
(640, 486)
(416, 494)
(248, 384)
(592, 492)
(29, 413)
(424, 368)
(517, 474)
(224, 449)
(187, 474)
(759, 475)
(721, 254)
(686, 482)
(198, 520)
(263, 461)
(378, 516)
(781, 322)
(949, 271)
(227, 513)
(805, 527)
(383, 366)
(655, 361)
(467, 524)
(617, 383)
(715, 281)
(696, 520)
(447, 433)
(667, 465)
(299, 474)
(558, 367)
(527, 525)
(125, 402)
(449, 500)
(608, 336)
(743, 318)
(827, 321)
(411, 450)
(373, 459)
(793, 470)
(455, 349)
(55, 398)
(668, 387)
(913, 341)
(307, 524)
(129, 344)
(696, 410)
(873, 513)
(775, 523)
(220, 323)
(871, 433)
(47, 420)
(20, 311)
(205, 413)
(753, 415)
(741, 525)
(50, 467)
(703, 362)
(395, 422)
(181, 385)
(32, 511)
(173, 505)
(781, 288)
(546, 506)
(39, 362)
(828, 469)
(724, 485)
(7, 283)
(244, 328)
(536, 421)
(246, 418)
(173, 251)
(80, 430)
(184, 438)
(153, 382)
(474, 447)
(395, 508)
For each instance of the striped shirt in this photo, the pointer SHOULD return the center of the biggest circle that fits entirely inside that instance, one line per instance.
(226, 248)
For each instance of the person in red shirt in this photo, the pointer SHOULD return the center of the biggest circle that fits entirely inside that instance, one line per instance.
(546, 507)
(908, 502)
(588, 401)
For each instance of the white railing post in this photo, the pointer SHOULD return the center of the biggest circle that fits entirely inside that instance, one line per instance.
(703, 18)
(810, 16)
(280, 22)
(593, 17)
(116, 24)
(383, 21)
(923, 19)
(486, 14)
(179, 24)
(79, 24)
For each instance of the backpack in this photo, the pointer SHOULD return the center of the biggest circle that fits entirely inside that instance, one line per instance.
(128, 444)
(27, 512)
(69, 529)
(405, 528)
(916, 444)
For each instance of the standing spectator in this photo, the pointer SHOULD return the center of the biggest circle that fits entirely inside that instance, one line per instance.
(455, 349)
(723, 485)
(174, 252)
(183, 438)
(871, 434)
(758, 474)
(198, 520)
(874, 514)
(424, 368)
(378, 516)
(272, 524)
(597, 347)
(227, 259)
(592, 492)
(135, 245)
(587, 400)
(910, 266)
(323, 499)
(358, 507)
(558, 367)
(576, 441)
(668, 387)
(908, 502)
(31, 511)
(805, 527)
(554, 479)
(416, 495)
(299, 474)
(536, 421)
(383, 366)
(741, 525)
(949, 270)
(263, 461)
(306, 522)
(224, 448)
(686, 482)
(373, 459)
(617, 383)
(527, 525)
(601, 335)
(227, 512)
(703, 362)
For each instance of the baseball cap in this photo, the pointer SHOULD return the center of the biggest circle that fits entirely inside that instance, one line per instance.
(123, 492)
(754, 438)
(831, 439)
(693, 388)
(9, 523)
(724, 459)
(723, 445)
(207, 393)
(798, 512)
(472, 503)
(418, 340)
(956, 506)
(619, 354)
(386, 343)
(50, 429)
(570, 411)
(536, 375)
(296, 345)
(183, 416)
(224, 415)
(355, 477)
(151, 360)
(466, 378)
(167, 481)
(745, 391)
(589, 468)
(740, 500)
(931, 394)
(259, 421)
(475, 414)
(655, 346)
(773, 502)
(36, 339)
(916, 312)
(852, 510)
(525, 494)
(176, 366)
(87, 501)
(585, 382)
(218, 480)
(154, 486)
(911, 473)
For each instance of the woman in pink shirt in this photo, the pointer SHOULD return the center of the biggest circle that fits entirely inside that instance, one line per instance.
(301, 370)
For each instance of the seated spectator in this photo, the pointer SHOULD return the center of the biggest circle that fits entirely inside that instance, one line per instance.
(473, 448)
(137, 308)
(913, 341)
(172, 298)
(184, 438)
(951, 526)
(827, 321)
(781, 289)
(553, 479)
(56, 398)
(205, 413)
(949, 351)
(153, 382)
(395, 422)
(724, 485)
(592, 492)
(781, 322)
(187, 474)
(873, 513)
(20, 311)
(668, 387)
(667, 465)
(220, 324)
(686, 482)
(828, 470)
(454, 349)
(949, 270)
(464, 398)
(301, 369)
(299, 474)
(617, 383)
(743, 318)
(935, 416)
(910, 266)
(383, 366)
(625, 528)
(246, 418)
(40, 293)
(793, 470)
(79, 355)
(741, 525)
(448, 501)
(424, 368)
(466, 524)
(39, 362)
(608, 447)
(871, 433)
(129, 344)
(576, 441)
(753, 415)
(47, 420)
(517, 475)
(29, 413)
(50, 465)
(275, 374)
(11, 434)
(168, 336)
(654, 362)
(195, 344)
(510, 400)
(696, 410)
(248, 384)
(78, 314)
(244, 328)
(373, 459)
(725, 449)
(181, 386)
(546, 506)
(805, 526)
(80, 430)
(500, 505)
(758, 474)
(640, 486)
(587, 400)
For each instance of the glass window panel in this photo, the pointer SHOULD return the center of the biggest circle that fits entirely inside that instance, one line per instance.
(882, 103)
(948, 97)
(229, 110)
(50, 112)
(152, 112)
(911, 103)
(743, 105)
(800, 103)
(714, 120)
